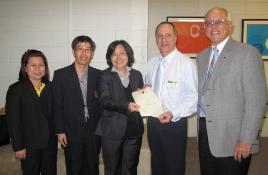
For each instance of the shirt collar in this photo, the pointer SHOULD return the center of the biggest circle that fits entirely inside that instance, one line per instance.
(168, 57)
(221, 45)
(115, 70)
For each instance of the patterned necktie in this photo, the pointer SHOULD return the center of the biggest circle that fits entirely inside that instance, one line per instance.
(158, 78)
(210, 69)
(201, 109)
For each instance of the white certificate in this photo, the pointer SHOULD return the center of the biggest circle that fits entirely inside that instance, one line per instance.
(150, 104)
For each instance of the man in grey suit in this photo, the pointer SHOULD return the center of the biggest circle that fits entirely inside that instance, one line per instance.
(232, 99)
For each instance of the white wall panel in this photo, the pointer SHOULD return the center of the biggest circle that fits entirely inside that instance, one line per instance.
(31, 24)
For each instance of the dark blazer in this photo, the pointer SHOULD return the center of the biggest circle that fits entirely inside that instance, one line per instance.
(113, 121)
(29, 125)
(69, 104)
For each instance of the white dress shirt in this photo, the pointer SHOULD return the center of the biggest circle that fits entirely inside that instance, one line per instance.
(179, 86)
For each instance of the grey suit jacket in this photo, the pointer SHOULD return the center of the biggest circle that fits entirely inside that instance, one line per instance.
(235, 99)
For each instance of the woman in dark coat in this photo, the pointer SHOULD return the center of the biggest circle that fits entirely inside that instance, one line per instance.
(120, 126)
(29, 116)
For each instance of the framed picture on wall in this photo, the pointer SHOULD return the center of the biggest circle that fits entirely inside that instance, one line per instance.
(191, 34)
(255, 33)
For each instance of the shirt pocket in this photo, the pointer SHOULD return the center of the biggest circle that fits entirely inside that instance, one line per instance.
(173, 89)
(173, 84)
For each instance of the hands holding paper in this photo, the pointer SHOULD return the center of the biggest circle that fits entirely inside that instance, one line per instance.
(148, 104)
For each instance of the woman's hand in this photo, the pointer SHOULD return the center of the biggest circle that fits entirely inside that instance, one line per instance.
(62, 139)
(21, 154)
(133, 107)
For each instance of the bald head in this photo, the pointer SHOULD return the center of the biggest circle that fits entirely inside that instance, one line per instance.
(218, 9)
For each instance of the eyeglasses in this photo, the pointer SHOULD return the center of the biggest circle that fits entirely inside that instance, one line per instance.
(210, 23)
(80, 50)
(121, 55)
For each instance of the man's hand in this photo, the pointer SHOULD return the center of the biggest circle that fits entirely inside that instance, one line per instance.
(62, 139)
(165, 117)
(133, 107)
(242, 150)
(20, 154)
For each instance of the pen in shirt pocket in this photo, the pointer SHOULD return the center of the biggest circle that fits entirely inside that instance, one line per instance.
(172, 81)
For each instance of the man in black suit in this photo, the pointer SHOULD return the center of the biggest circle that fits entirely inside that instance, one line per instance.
(77, 109)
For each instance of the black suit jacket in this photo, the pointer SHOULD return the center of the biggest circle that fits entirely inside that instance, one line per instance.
(69, 104)
(113, 121)
(29, 125)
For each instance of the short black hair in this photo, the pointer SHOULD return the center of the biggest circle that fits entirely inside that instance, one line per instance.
(166, 22)
(24, 61)
(81, 39)
(127, 47)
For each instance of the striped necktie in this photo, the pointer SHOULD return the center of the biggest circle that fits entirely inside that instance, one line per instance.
(210, 69)
(201, 109)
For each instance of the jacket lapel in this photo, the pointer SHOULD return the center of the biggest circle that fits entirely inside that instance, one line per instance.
(73, 78)
(223, 62)
(91, 83)
(133, 81)
(204, 67)
(29, 89)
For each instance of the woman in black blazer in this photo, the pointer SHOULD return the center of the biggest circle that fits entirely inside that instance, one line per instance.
(120, 126)
(29, 116)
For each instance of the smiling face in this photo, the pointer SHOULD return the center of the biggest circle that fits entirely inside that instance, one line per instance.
(217, 25)
(83, 53)
(35, 68)
(165, 39)
(119, 57)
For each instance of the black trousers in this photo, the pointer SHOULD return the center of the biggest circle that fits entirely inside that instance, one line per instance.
(42, 161)
(210, 165)
(167, 143)
(82, 157)
(121, 157)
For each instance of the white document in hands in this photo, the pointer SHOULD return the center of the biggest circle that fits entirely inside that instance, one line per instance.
(150, 104)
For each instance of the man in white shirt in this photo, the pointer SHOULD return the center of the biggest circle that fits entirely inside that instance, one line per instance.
(173, 77)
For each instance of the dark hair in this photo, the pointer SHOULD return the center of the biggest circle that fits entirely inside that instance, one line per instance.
(81, 39)
(127, 47)
(24, 61)
(168, 23)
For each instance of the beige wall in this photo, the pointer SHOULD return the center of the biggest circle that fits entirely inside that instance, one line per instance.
(239, 9)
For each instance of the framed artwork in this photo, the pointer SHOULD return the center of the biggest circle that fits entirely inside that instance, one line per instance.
(191, 34)
(255, 33)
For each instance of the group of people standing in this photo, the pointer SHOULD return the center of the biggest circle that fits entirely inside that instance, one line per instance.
(87, 110)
